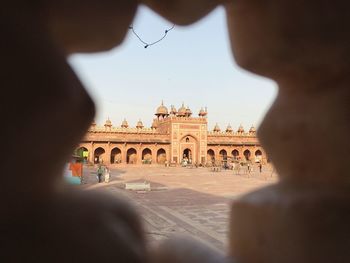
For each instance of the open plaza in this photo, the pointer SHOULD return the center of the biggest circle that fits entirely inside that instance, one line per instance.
(180, 200)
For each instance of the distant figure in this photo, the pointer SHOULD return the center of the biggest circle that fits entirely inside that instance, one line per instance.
(100, 171)
(248, 169)
(237, 168)
(107, 175)
(260, 167)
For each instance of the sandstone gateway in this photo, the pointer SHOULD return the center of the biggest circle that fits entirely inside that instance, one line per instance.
(174, 135)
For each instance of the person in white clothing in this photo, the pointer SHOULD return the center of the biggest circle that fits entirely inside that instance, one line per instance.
(107, 175)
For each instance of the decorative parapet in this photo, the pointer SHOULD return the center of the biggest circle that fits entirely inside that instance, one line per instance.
(191, 119)
(99, 129)
(231, 134)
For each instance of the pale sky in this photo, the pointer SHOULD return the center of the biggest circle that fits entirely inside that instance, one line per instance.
(192, 64)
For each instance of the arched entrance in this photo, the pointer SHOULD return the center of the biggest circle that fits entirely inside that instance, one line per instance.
(223, 156)
(187, 154)
(99, 155)
(83, 153)
(211, 156)
(147, 156)
(258, 156)
(161, 156)
(131, 156)
(247, 155)
(116, 156)
(235, 154)
(189, 149)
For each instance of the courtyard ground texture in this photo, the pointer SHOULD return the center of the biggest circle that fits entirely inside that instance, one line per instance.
(189, 201)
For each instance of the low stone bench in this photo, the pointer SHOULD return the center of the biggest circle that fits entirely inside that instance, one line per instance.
(142, 186)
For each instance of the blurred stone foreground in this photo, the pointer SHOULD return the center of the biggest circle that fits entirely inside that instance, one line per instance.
(302, 45)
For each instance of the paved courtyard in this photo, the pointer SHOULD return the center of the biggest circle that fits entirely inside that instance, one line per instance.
(187, 201)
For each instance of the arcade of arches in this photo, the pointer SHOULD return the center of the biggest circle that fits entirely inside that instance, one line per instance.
(174, 136)
(131, 155)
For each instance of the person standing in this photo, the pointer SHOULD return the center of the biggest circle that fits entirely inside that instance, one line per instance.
(107, 175)
(99, 173)
(260, 167)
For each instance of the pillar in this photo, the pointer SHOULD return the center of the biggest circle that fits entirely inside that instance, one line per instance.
(124, 151)
(91, 154)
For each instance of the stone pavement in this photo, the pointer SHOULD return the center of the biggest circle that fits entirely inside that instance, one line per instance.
(194, 202)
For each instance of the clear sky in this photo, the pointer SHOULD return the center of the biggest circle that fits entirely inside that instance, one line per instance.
(192, 64)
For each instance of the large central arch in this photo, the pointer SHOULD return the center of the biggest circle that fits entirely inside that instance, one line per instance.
(187, 153)
(190, 148)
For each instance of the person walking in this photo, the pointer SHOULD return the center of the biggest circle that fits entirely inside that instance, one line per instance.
(100, 173)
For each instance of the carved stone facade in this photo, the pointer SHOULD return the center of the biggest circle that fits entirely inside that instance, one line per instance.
(175, 135)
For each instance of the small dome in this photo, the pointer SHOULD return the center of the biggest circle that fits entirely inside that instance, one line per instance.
(201, 113)
(162, 110)
(240, 129)
(181, 111)
(139, 124)
(188, 112)
(108, 123)
(229, 129)
(125, 124)
(252, 129)
(217, 128)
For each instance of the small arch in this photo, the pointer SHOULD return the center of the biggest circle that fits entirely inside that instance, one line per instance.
(235, 154)
(211, 156)
(258, 156)
(189, 138)
(99, 155)
(247, 154)
(258, 153)
(161, 156)
(131, 156)
(116, 155)
(223, 155)
(82, 152)
(147, 156)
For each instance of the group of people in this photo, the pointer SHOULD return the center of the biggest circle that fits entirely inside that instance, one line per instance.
(103, 173)
(249, 167)
(185, 161)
